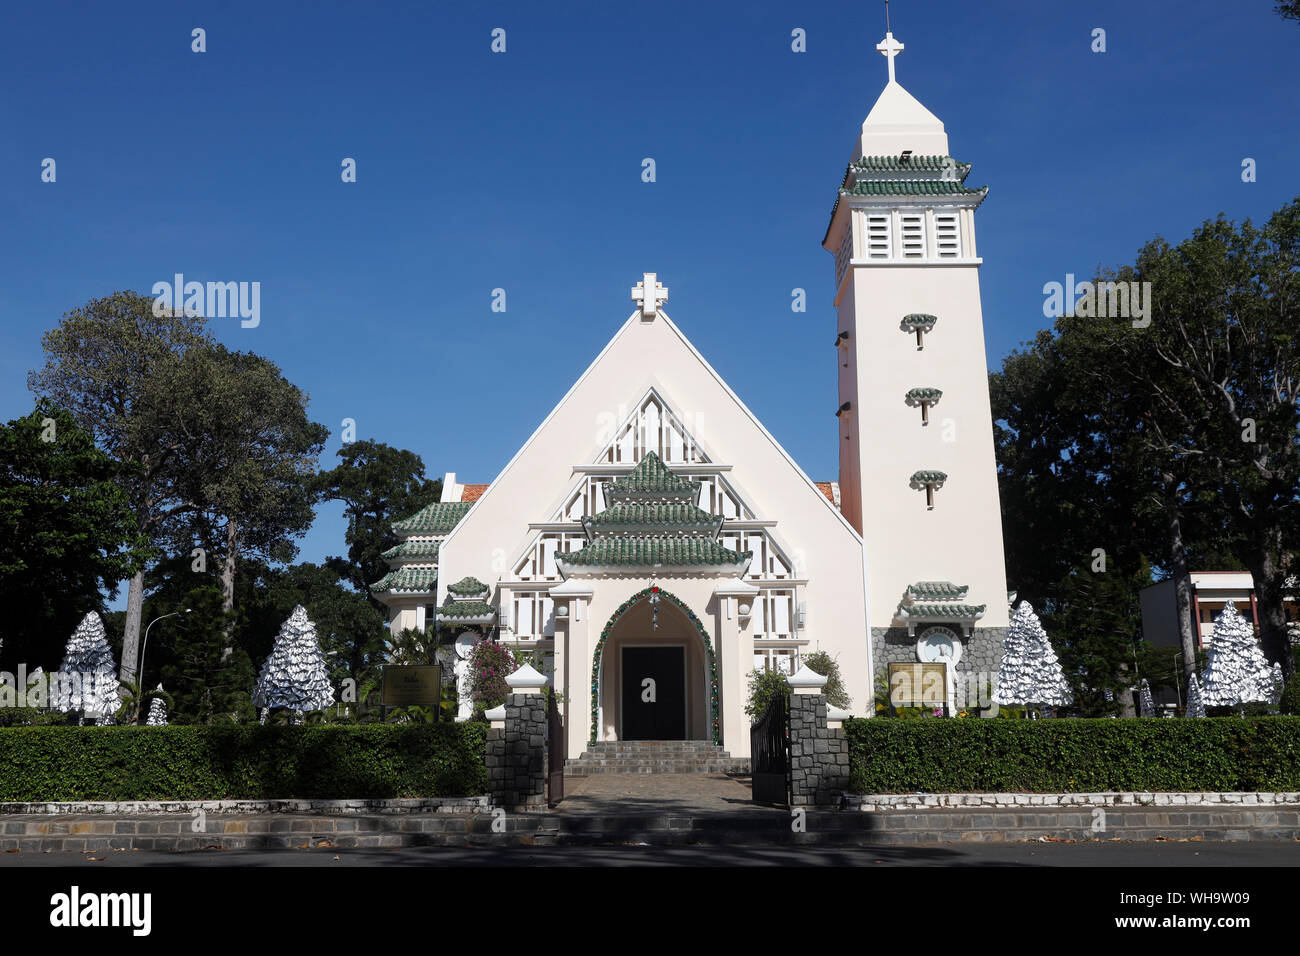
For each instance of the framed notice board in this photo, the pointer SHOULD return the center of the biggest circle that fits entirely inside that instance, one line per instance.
(418, 685)
(919, 684)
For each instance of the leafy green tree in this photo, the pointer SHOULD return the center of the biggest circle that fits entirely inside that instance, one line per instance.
(1078, 503)
(254, 457)
(208, 682)
(107, 363)
(1217, 379)
(763, 686)
(1288, 9)
(67, 532)
(378, 484)
(820, 662)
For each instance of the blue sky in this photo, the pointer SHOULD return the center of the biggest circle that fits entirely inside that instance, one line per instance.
(522, 171)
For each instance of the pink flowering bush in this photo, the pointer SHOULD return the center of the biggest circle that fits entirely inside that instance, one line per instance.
(489, 663)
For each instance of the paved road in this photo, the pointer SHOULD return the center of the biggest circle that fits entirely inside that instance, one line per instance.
(1182, 855)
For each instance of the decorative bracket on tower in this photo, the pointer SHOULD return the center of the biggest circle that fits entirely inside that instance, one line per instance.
(920, 323)
(925, 397)
(931, 481)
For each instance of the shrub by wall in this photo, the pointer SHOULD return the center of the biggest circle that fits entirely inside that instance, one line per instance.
(241, 762)
(1073, 755)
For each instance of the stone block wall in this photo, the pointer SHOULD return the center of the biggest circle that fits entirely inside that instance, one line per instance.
(516, 756)
(819, 756)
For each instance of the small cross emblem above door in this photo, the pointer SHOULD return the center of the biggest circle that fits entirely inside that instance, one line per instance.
(648, 293)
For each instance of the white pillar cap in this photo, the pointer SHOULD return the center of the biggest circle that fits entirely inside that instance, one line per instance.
(806, 681)
(526, 680)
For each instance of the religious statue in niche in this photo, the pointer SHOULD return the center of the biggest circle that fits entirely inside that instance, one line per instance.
(938, 645)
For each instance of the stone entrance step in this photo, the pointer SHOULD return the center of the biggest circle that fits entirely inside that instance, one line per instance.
(655, 756)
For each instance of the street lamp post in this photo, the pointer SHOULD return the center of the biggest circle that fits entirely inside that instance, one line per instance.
(145, 647)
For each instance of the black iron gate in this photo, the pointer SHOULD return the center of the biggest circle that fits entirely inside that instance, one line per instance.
(769, 742)
(556, 745)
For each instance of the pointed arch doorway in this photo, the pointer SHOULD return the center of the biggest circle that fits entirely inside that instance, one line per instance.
(654, 683)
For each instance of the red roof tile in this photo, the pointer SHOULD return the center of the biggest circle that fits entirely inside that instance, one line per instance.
(473, 492)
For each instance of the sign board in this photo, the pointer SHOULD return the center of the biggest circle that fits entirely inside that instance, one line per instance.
(417, 685)
(918, 685)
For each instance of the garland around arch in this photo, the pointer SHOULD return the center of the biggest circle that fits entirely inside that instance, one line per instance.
(704, 637)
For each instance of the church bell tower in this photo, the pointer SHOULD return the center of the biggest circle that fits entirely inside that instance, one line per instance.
(917, 472)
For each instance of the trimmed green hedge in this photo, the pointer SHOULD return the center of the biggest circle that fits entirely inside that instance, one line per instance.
(1073, 755)
(241, 762)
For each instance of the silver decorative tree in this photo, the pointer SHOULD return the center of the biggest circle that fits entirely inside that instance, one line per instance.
(87, 682)
(1146, 704)
(1029, 672)
(157, 712)
(1236, 671)
(1195, 703)
(294, 676)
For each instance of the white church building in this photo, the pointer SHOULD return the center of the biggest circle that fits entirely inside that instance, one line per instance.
(652, 528)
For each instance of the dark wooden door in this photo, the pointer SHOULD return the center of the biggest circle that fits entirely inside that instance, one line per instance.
(654, 693)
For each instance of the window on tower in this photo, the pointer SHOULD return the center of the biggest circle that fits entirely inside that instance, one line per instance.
(912, 228)
(947, 239)
(843, 256)
(878, 237)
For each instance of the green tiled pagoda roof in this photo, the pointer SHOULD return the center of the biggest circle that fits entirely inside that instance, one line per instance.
(943, 610)
(911, 187)
(895, 163)
(937, 589)
(468, 586)
(416, 580)
(927, 477)
(651, 478)
(462, 610)
(924, 394)
(437, 518)
(645, 550)
(413, 549)
(880, 176)
(670, 517)
(918, 320)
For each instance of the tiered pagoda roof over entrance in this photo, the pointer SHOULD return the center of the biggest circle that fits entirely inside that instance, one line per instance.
(653, 521)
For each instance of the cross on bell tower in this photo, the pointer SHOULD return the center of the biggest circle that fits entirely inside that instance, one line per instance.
(890, 48)
(649, 293)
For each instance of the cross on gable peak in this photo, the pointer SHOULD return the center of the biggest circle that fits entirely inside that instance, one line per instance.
(649, 293)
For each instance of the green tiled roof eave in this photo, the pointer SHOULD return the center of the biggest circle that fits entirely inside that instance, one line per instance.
(437, 518)
(647, 551)
(942, 611)
(413, 549)
(466, 610)
(649, 479)
(924, 394)
(407, 580)
(891, 163)
(653, 515)
(942, 589)
(468, 586)
(911, 187)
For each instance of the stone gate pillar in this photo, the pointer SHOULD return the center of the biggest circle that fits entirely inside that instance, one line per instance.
(819, 755)
(516, 744)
